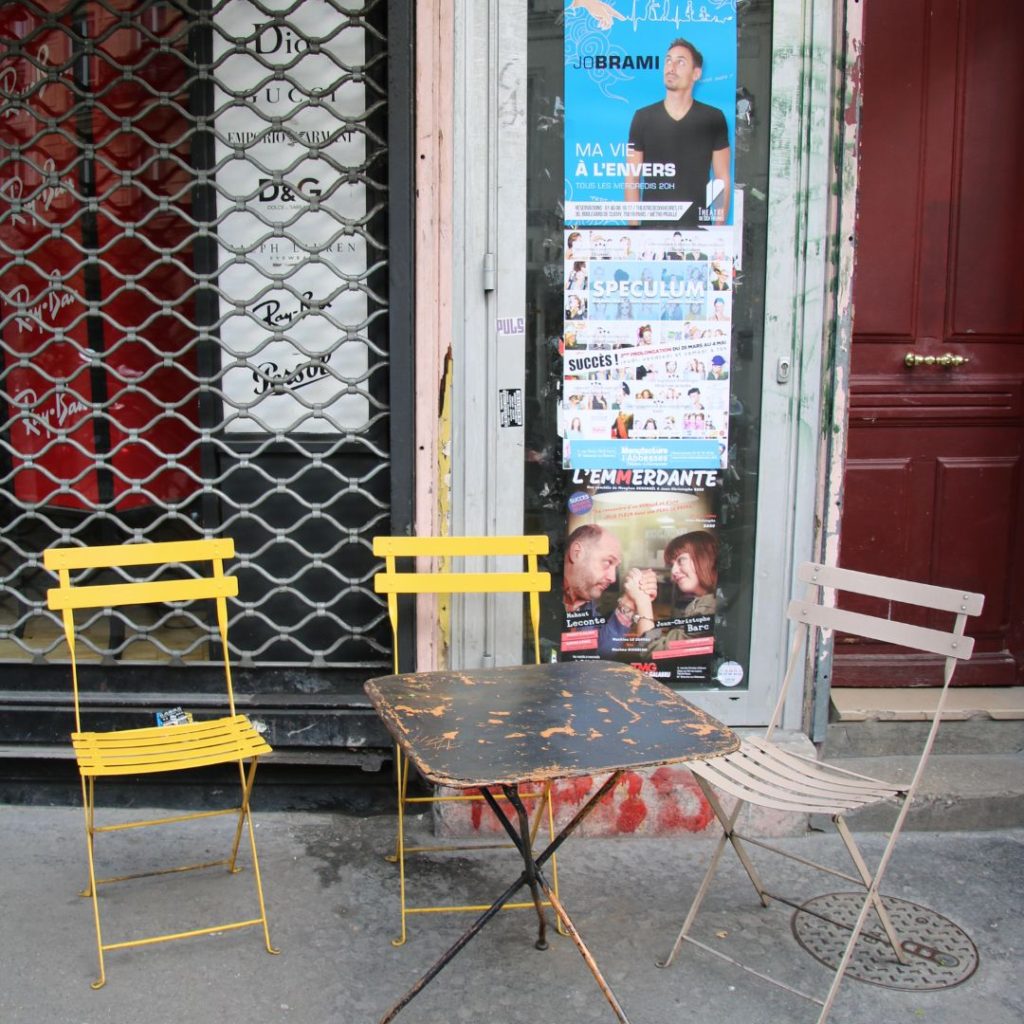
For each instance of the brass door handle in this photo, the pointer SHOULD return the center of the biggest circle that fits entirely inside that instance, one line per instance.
(910, 360)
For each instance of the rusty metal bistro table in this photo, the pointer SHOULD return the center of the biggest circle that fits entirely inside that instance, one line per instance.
(508, 727)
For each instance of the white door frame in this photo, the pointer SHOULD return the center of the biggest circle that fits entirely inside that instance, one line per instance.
(489, 270)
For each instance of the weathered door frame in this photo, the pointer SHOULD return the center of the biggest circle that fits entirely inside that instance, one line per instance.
(805, 272)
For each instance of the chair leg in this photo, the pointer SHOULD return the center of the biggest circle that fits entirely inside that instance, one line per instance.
(875, 898)
(727, 823)
(246, 781)
(89, 825)
(737, 843)
(88, 804)
(256, 867)
(402, 777)
(705, 884)
(549, 806)
(833, 991)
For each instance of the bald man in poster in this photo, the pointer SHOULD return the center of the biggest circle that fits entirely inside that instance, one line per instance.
(592, 559)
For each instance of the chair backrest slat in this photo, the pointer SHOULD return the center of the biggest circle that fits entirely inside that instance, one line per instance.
(157, 591)
(932, 641)
(811, 614)
(119, 555)
(530, 581)
(461, 582)
(440, 547)
(206, 581)
(927, 595)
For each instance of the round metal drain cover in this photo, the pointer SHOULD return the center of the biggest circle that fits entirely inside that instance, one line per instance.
(940, 954)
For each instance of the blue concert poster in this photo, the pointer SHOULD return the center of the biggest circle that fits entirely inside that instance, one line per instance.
(650, 113)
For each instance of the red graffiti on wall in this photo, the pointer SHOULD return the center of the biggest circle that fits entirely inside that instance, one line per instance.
(664, 801)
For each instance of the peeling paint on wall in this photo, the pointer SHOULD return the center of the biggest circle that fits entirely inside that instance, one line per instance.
(444, 497)
(848, 77)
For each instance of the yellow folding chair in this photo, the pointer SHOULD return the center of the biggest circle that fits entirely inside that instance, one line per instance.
(174, 577)
(442, 580)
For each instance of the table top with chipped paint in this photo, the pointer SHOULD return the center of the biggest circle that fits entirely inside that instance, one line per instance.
(535, 722)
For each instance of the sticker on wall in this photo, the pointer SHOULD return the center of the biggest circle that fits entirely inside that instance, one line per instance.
(730, 673)
(652, 226)
(579, 503)
(647, 348)
(511, 326)
(510, 407)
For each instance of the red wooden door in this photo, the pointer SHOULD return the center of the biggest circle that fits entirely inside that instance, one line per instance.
(934, 486)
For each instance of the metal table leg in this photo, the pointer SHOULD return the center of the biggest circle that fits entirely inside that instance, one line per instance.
(533, 877)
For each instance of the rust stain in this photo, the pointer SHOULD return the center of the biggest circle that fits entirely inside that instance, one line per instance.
(515, 735)
(704, 729)
(437, 712)
(627, 709)
(594, 735)
(565, 693)
(567, 730)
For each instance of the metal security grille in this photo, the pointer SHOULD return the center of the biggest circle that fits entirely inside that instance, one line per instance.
(194, 314)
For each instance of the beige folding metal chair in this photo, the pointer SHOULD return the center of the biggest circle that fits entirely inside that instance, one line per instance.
(762, 774)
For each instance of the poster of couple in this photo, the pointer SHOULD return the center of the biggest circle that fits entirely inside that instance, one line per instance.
(640, 576)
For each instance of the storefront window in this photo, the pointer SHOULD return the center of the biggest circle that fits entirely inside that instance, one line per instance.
(195, 307)
(646, 247)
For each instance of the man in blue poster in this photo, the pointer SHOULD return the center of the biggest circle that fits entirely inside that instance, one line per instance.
(650, 111)
(679, 147)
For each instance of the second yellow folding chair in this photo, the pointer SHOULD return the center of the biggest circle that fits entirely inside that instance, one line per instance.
(169, 573)
(442, 580)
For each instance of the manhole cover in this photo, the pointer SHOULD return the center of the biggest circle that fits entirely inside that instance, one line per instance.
(940, 954)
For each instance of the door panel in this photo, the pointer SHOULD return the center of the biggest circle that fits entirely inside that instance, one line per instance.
(988, 222)
(934, 487)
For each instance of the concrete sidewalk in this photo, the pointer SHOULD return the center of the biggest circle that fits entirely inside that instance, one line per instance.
(333, 900)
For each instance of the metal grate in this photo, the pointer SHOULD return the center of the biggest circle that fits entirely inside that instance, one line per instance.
(940, 954)
(194, 307)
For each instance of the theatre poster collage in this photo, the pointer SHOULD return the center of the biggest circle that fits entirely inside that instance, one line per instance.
(651, 255)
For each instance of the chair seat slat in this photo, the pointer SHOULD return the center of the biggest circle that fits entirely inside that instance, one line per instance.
(808, 779)
(740, 784)
(782, 762)
(183, 746)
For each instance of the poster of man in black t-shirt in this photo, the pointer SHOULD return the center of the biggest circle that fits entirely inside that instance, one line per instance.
(679, 146)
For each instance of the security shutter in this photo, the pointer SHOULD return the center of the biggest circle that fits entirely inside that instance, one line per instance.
(197, 305)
